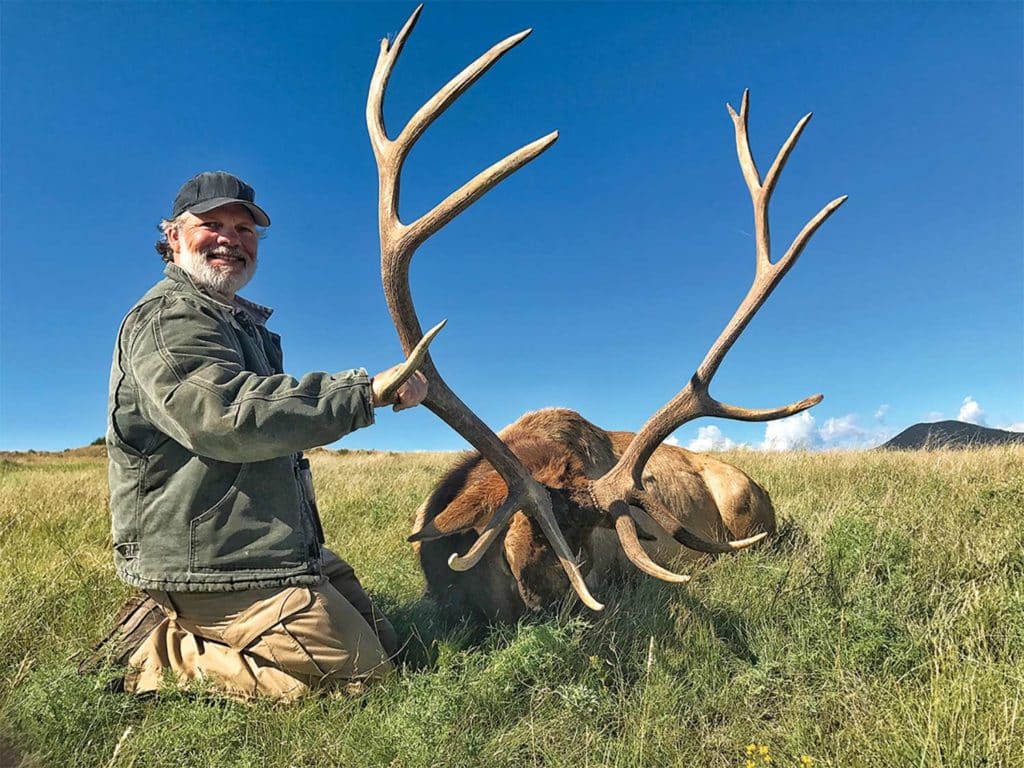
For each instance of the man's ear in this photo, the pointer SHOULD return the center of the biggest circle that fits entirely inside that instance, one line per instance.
(173, 240)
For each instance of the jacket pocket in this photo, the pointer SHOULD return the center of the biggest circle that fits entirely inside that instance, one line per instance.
(209, 532)
(249, 529)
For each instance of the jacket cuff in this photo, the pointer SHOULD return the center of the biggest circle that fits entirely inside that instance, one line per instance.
(358, 381)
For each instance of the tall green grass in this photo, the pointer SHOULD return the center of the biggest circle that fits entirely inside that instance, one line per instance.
(884, 626)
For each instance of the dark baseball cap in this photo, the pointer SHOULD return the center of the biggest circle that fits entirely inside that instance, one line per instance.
(212, 189)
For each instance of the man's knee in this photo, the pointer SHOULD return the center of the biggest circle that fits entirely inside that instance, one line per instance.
(329, 640)
(279, 644)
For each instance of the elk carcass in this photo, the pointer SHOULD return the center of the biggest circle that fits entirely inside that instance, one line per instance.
(551, 503)
(710, 501)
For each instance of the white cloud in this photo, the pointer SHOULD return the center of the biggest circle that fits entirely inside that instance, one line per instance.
(843, 433)
(934, 416)
(710, 438)
(1017, 426)
(882, 410)
(793, 433)
(971, 412)
(840, 429)
(671, 440)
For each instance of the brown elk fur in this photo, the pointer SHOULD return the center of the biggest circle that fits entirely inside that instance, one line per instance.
(564, 452)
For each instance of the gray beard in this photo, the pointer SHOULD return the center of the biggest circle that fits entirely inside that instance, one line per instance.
(209, 276)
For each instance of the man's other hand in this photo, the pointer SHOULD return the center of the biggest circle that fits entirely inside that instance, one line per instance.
(409, 394)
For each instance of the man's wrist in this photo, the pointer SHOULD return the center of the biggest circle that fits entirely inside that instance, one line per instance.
(375, 398)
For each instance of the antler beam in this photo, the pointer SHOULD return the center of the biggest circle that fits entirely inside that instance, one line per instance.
(624, 480)
(398, 244)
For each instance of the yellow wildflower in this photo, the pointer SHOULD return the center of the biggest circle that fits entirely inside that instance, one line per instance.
(806, 760)
(751, 748)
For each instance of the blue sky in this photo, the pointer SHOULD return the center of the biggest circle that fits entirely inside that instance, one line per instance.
(595, 278)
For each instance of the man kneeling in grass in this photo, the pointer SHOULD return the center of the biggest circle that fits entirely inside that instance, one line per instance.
(212, 502)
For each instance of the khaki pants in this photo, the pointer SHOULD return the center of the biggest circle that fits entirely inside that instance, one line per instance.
(278, 642)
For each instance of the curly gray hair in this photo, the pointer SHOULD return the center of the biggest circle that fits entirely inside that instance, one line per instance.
(163, 247)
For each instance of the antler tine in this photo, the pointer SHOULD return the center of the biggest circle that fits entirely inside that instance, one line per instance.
(624, 480)
(395, 151)
(663, 517)
(398, 244)
(477, 187)
(487, 537)
(747, 163)
(411, 364)
(389, 53)
(436, 105)
(626, 529)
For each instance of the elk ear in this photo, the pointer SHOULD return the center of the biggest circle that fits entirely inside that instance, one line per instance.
(441, 526)
(428, 532)
(464, 513)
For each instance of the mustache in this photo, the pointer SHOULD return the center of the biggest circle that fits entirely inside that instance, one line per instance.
(224, 251)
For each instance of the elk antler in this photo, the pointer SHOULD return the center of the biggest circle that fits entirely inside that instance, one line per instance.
(624, 481)
(622, 486)
(398, 243)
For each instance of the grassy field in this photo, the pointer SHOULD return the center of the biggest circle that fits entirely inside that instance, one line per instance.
(883, 627)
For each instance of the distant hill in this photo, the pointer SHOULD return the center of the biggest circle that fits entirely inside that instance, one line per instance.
(950, 434)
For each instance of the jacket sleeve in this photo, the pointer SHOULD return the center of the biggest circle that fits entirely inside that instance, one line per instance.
(194, 387)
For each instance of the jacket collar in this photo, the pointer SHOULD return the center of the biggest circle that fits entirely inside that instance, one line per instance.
(257, 312)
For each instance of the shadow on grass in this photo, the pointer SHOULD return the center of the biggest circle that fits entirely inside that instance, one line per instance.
(8, 754)
(789, 538)
(423, 627)
(729, 626)
(648, 608)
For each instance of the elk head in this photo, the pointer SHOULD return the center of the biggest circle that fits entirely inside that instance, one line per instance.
(614, 497)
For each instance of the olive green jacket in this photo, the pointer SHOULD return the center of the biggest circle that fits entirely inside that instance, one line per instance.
(203, 437)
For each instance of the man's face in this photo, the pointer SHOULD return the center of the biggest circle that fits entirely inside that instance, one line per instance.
(218, 248)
